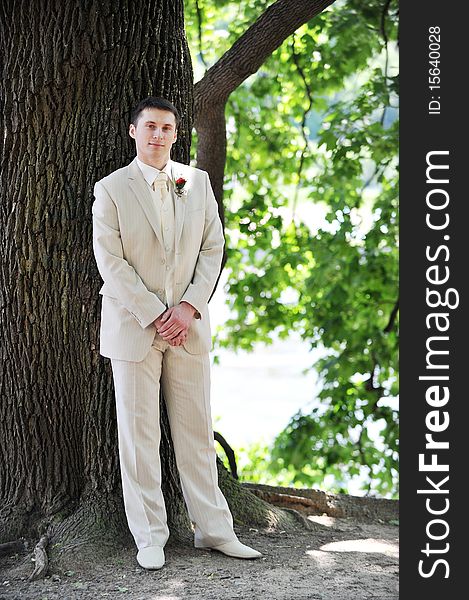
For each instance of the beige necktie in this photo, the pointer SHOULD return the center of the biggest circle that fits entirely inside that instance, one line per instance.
(160, 184)
(166, 211)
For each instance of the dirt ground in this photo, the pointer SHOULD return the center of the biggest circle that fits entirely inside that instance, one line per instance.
(340, 559)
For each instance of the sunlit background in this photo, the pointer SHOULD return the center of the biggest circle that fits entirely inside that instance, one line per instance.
(310, 196)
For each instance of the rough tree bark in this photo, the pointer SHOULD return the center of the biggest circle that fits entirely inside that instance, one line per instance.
(71, 73)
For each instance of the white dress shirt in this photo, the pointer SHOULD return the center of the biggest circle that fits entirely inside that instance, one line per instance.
(166, 212)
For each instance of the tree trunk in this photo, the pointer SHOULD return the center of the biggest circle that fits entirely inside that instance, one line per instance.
(71, 73)
(73, 70)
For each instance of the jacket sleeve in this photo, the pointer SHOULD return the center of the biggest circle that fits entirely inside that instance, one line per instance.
(208, 263)
(116, 272)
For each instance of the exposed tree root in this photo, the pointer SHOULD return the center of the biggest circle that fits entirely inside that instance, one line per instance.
(41, 561)
(8, 548)
(249, 509)
(334, 505)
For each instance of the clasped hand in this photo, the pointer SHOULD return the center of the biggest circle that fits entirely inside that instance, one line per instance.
(174, 323)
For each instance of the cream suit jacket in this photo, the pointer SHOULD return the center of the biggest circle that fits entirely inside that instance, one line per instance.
(130, 256)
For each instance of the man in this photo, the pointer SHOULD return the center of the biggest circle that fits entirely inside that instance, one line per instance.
(158, 244)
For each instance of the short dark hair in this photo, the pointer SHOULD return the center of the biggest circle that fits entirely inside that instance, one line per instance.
(154, 102)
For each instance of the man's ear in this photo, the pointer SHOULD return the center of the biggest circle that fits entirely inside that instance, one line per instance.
(132, 130)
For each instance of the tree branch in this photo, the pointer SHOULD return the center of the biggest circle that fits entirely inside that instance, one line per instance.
(12, 547)
(392, 317)
(244, 58)
(309, 95)
(385, 38)
(384, 14)
(229, 453)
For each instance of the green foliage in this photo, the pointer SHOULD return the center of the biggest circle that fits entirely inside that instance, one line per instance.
(312, 227)
(255, 465)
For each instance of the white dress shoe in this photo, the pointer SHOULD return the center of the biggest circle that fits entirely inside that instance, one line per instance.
(151, 557)
(237, 549)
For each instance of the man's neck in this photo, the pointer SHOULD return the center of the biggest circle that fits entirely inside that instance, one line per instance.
(157, 163)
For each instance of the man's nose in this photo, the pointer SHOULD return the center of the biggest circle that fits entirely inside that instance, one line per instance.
(158, 133)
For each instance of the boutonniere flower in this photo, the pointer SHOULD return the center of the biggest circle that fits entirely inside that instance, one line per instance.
(180, 186)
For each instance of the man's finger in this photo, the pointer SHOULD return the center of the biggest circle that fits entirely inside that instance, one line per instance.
(170, 329)
(181, 338)
(172, 333)
(177, 341)
(165, 316)
(168, 320)
(170, 323)
(164, 328)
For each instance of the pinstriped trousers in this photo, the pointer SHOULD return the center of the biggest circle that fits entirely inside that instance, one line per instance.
(185, 380)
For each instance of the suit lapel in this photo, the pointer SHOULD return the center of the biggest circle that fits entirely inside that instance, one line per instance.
(139, 187)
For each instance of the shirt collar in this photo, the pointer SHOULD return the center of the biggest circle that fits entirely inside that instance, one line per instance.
(150, 173)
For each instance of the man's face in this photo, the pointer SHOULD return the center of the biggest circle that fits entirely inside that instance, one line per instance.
(154, 134)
